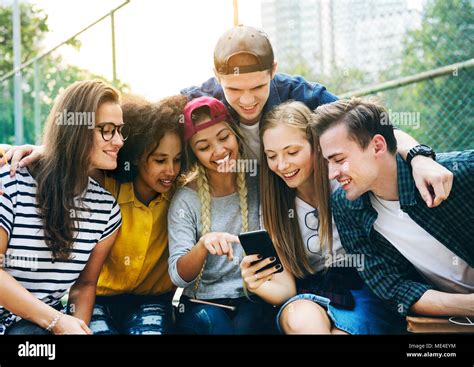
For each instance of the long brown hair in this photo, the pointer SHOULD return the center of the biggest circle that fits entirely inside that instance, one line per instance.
(278, 200)
(62, 173)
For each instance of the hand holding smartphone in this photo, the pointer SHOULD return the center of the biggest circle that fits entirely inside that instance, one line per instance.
(259, 242)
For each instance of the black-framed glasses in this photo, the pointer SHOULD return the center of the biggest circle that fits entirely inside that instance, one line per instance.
(108, 129)
(311, 220)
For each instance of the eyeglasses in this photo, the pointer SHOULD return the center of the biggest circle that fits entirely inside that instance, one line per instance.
(108, 130)
(311, 220)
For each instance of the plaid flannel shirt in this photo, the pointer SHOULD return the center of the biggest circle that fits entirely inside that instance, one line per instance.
(386, 271)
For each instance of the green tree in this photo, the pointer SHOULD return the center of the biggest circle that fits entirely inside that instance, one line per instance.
(33, 27)
(445, 103)
(54, 73)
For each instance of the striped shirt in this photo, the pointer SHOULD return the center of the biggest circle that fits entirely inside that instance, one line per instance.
(28, 259)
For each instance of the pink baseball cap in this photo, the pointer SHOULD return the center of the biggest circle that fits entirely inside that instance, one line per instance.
(217, 110)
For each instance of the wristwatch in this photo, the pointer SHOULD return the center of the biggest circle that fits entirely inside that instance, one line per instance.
(420, 149)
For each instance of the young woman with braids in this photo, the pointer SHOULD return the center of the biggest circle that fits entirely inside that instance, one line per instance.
(204, 219)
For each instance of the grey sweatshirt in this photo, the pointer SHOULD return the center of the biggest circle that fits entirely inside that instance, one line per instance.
(221, 277)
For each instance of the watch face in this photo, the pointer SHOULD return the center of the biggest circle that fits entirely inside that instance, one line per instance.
(425, 149)
(421, 149)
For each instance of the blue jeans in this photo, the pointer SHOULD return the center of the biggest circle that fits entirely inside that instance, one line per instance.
(369, 316)
(250, 317)
(25, 327)
(132, 315)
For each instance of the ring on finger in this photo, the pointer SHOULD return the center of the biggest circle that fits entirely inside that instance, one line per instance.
(256, 276)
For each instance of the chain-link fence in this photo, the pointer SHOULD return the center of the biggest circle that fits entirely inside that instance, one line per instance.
(436, 111)
(346, 45)
(350, 44)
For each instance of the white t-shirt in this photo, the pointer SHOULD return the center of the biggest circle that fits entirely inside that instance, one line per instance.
(309, 224)
(431, 258)
(252, 138)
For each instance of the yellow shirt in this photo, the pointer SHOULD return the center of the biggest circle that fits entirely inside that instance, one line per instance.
(138, 261)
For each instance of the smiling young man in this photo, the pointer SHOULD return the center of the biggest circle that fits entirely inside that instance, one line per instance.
(247, 82)
(419, 260)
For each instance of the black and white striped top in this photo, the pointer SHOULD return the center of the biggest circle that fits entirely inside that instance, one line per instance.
(28, 259)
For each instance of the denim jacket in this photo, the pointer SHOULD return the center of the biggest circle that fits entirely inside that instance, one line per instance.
(283, 88)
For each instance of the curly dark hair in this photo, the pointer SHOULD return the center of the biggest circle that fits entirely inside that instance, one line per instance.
(149, 122)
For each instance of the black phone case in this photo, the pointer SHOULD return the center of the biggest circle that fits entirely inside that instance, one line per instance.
(259, 242)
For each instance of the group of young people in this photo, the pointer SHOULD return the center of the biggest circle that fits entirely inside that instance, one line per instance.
(369, 225)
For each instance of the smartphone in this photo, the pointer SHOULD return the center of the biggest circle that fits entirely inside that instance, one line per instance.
(259, 242)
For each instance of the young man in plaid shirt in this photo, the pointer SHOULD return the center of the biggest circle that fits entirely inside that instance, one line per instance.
(419, 260)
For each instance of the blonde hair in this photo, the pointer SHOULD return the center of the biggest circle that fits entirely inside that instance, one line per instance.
(204, 194)
(198, 173)
(278, 200)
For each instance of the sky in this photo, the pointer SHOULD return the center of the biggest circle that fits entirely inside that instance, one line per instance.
(162, 46)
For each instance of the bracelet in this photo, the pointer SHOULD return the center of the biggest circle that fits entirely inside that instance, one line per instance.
(54, 322)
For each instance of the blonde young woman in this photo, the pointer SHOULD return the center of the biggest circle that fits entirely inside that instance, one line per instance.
(204, 219)
(330, 297)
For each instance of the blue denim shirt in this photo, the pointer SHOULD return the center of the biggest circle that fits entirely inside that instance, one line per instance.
(283, 88)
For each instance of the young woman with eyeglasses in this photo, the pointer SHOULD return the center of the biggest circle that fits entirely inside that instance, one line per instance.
(134, 291)
(295, 192)
(57, 224)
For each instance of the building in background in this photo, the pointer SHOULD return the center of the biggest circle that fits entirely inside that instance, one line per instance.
(324, 34)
